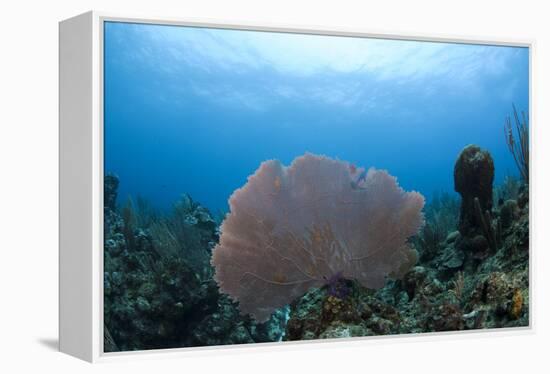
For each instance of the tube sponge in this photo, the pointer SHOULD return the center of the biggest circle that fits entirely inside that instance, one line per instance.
(292, 228)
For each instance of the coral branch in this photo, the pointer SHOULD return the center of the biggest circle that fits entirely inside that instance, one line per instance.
(520, 148)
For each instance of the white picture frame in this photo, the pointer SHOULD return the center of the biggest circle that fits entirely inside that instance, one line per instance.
(81, 176)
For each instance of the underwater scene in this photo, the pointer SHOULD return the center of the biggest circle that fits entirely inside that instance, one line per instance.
(270, 187)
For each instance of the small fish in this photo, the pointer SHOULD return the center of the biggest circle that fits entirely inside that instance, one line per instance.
(352, 168)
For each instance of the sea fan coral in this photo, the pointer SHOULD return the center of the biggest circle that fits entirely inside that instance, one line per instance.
(293, 228)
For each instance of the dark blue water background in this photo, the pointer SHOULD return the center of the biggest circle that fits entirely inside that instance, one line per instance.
(197, 110)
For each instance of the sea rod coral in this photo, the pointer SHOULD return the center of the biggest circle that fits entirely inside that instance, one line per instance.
(294, 228)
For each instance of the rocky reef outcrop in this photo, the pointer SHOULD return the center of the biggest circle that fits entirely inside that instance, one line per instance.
(474, 173)
(473, 177)
(158, 294)
(430, 298)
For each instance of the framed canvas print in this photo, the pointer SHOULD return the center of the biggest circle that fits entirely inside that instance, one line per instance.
(227, 185)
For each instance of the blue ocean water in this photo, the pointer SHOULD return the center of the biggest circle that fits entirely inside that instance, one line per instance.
(196, 110)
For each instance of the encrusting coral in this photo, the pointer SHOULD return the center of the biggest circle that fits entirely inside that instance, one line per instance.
(297, 227)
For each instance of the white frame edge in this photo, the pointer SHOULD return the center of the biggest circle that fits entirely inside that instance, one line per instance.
(80, 179)
(81, 184)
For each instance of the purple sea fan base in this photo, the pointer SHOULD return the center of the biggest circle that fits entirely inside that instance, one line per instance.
(293, 228)
(337, 286)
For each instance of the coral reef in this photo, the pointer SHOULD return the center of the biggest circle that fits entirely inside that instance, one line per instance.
(441, 216)
(321, 315)
(294, 228)
(158, 286)
(110, 191)
(448, 289)
(472, 271)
